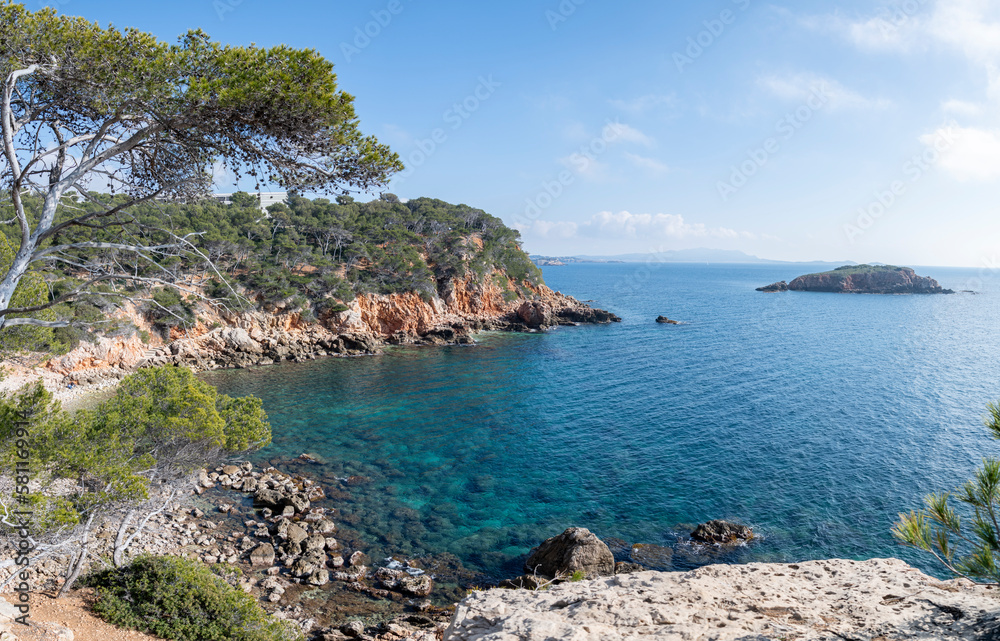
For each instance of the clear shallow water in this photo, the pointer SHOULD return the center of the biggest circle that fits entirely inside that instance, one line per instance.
(814, 417)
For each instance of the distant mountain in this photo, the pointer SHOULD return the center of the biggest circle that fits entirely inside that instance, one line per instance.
(676, 256)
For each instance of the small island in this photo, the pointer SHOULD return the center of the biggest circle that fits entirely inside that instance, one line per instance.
(862, 279)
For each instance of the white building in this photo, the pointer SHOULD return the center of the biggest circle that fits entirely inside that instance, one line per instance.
(267, 198)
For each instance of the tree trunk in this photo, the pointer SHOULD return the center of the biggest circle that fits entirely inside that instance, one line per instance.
(116, 557)
(73, 572)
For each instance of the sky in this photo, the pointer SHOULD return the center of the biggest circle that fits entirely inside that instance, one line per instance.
(810, 130)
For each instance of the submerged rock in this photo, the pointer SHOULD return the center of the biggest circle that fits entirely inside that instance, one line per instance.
(722, 532)
(575, 550)
(652, 556)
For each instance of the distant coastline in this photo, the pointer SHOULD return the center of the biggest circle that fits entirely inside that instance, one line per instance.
(676, 256)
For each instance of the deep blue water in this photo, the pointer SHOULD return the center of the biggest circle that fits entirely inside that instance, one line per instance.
(814, 417)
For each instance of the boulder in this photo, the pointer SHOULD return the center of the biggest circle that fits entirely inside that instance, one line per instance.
(319, 577)
(304, 567)
(722, 532)
(535, 314)
(664, 319)
(624, 567)
(298, 501)
(575, 550)
(416, 585)
(269, 498)
(315, 542)
(238, 340)
(580, 313)
(263, 555)
(388, 578)
(296, 537)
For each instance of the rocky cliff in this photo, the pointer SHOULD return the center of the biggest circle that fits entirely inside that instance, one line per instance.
(866, 279)
(828, 600)
(222, 339)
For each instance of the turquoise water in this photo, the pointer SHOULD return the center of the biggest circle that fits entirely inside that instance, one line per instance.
(816, 418)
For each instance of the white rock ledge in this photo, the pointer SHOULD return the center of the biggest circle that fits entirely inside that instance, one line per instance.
(833, 600)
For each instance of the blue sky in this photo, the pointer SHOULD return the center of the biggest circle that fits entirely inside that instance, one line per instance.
(813, 130)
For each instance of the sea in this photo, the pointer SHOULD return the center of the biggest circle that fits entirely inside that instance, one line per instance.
(815, 418)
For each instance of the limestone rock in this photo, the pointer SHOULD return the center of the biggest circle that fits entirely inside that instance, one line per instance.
(263, 555)
(811, 601)
(576, 549)
(416, 585)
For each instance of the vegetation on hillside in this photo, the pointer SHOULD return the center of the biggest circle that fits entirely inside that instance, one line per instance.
(182, 599)
(851, 270)
(311, 255)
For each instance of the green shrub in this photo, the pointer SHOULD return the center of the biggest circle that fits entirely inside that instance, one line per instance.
(181, 599)
(330, 306)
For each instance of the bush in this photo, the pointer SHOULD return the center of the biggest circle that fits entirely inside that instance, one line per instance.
(330, 306)
(181, 599)
(970, 549)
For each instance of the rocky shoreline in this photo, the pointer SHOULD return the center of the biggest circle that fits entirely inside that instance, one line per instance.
(285, 534)
(223, 340)
(288, 551)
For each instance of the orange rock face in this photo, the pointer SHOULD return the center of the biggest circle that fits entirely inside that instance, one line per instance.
(106, 353)
(242, 340)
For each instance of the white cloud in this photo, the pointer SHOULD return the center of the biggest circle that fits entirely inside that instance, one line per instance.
(587, 160)
(961, 108)
(222, 176)
(547, 229)
(969, 26)
(805, 87)
(623, 224)
(650, 164)
(628, 225)
(644, 103)
(585, 164)
(967, 153)
(878, 33)
(972, 26)
(617, 132)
